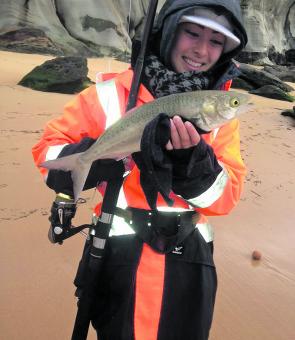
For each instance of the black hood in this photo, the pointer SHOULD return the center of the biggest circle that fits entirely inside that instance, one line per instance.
(167, 21)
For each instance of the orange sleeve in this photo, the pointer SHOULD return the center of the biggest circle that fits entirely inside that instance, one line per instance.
(227, 150)
(82, 117)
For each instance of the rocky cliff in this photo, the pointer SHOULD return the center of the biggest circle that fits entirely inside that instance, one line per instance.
(270, 25)
(105, 28)
(71, 27)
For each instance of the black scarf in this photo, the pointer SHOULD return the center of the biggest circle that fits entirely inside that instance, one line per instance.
(161, 81)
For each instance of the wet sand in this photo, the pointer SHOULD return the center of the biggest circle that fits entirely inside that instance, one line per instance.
(255, 299)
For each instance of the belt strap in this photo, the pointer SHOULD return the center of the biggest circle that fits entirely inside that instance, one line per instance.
(148, 224)
(127, 214)
(124, 213)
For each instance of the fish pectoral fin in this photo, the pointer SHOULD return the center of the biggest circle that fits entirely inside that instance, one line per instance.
(67, 163)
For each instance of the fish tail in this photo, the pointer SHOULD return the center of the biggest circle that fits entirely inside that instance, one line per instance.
(79, 170)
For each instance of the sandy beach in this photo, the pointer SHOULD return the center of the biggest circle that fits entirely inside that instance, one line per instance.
(255, 299)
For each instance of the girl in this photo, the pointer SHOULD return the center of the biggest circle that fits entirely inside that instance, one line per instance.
(156, 284)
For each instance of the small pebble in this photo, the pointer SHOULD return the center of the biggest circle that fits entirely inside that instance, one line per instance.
(256, 255)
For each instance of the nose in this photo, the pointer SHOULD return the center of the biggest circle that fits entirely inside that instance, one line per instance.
(201, 47)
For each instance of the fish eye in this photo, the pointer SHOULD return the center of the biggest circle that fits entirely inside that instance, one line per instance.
(234, 102)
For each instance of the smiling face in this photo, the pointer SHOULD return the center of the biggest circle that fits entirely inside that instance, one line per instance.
(196, 48)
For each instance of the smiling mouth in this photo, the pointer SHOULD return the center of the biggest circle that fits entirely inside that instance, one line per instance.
(192, 63)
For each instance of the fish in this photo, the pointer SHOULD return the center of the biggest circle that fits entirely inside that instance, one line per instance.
(207, 110)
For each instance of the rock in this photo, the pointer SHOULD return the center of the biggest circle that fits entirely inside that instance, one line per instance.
(274, 92)
(250, 57)
(284, 73)
(289, 113)
(262, 62)
(239, 83)
(290, 56)
(62, 75)
(270, 28)
(260, 78)
(256, 255)
(28, 40)
(254, 58)
(278, 58)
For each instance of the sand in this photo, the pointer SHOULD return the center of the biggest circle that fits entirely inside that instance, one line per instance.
(256, 298)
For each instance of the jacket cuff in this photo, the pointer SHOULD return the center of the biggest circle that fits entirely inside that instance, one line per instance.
(61, 181)
(213, 193)
(101, 170)
(197, 173)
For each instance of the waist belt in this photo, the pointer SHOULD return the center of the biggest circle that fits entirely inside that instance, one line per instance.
(163, 231)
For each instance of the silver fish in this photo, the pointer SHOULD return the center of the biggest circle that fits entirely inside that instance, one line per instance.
(205, 109)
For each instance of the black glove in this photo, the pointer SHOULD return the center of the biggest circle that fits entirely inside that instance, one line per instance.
(155, 167)
(101, 170)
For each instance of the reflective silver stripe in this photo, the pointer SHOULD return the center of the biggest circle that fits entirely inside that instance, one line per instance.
(108, 98)
(213, 193)
(173, 209)
(99, 242)
(105, 218)
(120, 227)
(122, 203)
(206, 230)
(53, 151)
(215, 132)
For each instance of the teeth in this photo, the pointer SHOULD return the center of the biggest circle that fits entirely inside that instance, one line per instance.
(192, 63)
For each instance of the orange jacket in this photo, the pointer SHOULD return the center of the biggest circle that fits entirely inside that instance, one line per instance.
(85, 116)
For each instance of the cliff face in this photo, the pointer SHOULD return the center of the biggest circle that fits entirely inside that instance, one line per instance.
(271, 28)
(88, 27)
(105, 28)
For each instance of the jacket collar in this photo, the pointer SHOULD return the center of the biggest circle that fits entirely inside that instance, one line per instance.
(226, 72)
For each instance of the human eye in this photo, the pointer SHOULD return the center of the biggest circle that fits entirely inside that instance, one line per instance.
(192, 33)
(217, 42)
